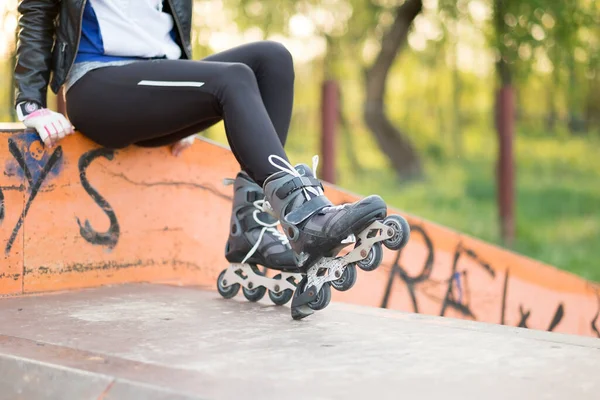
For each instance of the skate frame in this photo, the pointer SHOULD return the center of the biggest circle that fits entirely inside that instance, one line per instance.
(246, 277)
(334, 266)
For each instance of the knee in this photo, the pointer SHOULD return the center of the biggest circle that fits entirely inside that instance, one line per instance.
(277, 56)
(239, 75)
(277, 52)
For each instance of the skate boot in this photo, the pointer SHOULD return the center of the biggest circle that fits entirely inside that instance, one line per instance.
(254, 240)
(318, 230)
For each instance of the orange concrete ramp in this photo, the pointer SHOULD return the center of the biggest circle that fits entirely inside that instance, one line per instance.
(81, 216)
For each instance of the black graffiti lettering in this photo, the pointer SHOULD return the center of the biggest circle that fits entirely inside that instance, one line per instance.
(396, 270)
(458, 294)
(558, 316)
(410, 281)
(452, 302)
(34, 186)
(524, 317)
(111, 236)
(461, 306)
(593, 324)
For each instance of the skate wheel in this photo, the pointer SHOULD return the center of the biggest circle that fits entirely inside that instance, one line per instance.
(373, 259)
(347, 280)
(323, 298)
(401, 232)
(228, 291)
(254, 294)
(283, 296)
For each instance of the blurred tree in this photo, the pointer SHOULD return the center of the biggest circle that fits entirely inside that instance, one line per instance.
(350, 27)
(394, 143)
(538, 36)
(558, 39)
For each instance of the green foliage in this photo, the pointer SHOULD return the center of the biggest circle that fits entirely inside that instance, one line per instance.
(557, 201)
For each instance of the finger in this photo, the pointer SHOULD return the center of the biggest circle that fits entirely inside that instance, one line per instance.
(61, 132)
(44, 136)
(53, 131)
(64, 128)
(48, 139)
(69, 129)
(59, 129)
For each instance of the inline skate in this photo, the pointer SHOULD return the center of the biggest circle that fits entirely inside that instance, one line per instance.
(318, 230)
(255, 241)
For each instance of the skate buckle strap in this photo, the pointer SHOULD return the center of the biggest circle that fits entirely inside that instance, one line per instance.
(247, 224)
(307, 209)
(254, 195)
(296, 184)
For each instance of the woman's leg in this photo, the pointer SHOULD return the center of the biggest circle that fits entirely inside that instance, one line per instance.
(273, 67)
(274, 71)
(148, 100)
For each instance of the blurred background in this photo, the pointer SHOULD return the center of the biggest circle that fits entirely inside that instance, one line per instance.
(481, 115)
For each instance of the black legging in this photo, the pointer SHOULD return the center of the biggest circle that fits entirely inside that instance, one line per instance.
(250, 88)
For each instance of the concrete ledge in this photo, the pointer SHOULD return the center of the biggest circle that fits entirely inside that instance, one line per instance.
(29, 379)
(22, 378)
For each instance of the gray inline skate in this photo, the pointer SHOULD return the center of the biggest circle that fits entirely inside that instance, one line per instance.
(255, 241)
(318, 230)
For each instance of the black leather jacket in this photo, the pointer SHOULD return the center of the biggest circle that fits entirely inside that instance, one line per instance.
(47, 45)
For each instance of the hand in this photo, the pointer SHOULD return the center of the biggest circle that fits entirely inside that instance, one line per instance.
(181, 145)
(50, 125)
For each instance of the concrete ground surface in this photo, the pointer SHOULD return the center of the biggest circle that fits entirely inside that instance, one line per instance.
(146, 341)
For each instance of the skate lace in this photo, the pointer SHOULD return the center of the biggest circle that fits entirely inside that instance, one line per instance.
(287, 167)
(261, 206)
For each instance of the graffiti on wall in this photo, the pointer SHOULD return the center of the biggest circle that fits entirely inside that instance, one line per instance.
(31, 162)
(111, 236)
(37, 167)
(456, 285)
(453, 284)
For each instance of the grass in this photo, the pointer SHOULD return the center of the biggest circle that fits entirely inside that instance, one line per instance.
(557, 199)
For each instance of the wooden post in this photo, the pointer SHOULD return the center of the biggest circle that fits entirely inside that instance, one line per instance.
(506, 172)
(329, 124)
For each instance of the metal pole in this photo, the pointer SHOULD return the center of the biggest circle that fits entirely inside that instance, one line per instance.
(329, 123)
